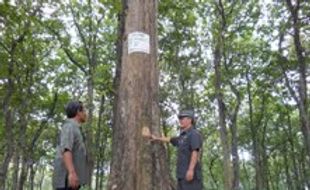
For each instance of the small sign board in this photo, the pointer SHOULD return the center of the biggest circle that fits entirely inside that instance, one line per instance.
(138, 42)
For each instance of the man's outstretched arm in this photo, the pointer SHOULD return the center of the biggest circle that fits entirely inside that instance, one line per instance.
(162, 139)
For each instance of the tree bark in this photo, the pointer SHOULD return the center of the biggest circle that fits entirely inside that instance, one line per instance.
(302, 70)
(292, 155)
(42, 178)
(89, 134)
(260, 176)
(8, 120)
(227, 170)
(234, 142)
(137, 163)
(32, 175)
(100, 131)
(15, 170)
(233, 118)
(23, 174)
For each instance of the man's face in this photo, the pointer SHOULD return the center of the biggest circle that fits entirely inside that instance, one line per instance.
(82, 116)
(185, 122)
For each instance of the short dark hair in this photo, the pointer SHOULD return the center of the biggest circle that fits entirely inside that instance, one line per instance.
(73, 107)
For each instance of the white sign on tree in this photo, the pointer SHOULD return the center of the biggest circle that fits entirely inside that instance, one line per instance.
(138, 42)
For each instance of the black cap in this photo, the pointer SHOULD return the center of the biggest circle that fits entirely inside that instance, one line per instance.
(187, 113)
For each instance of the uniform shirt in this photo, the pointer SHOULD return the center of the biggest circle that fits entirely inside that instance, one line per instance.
(187, 142)
(70, 139)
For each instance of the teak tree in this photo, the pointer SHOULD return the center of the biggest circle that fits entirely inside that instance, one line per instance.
(136, 162)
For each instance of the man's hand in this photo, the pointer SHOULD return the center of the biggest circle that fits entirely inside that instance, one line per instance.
(190, 172)
(155, 138)
(161, 139)
(73, 180)
(189, 175)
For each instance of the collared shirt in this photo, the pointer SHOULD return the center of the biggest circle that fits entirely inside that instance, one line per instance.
(70, 139)
(187, 142)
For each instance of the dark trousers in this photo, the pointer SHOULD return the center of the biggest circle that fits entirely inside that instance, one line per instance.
(67, 186)
(195, 184)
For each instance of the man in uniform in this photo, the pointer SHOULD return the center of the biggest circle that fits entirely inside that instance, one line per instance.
(189, 144)
(70, 163)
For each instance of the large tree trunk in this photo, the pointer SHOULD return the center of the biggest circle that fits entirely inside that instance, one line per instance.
(137, 164)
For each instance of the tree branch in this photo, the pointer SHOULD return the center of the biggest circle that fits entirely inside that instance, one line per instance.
(82, 36)
(44, 122)
(66, 50)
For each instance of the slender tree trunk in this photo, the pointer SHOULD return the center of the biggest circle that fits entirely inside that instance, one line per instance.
(99, 136)
(287, 170)
(292, 155)
(214, 179)
(32, 175)
(42, 178)
(136, 162)
(234, 149)
(247, 176)
(23, 149)
(15, 170)
(227, 170)
(23, 174)
(303, 169)
(234, 135)
(89, 134)
(302, 69)
(257, 150)
(264, 158)
(8, 125)
(101, 179)
(24, 111)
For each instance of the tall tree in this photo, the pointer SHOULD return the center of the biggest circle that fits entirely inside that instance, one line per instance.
(90, 55)
(137, 163)
(12, 47)
(291, 57)
(301, 96)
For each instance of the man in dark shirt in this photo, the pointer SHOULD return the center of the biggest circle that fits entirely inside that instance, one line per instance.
(70, 162)
(189, 144)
